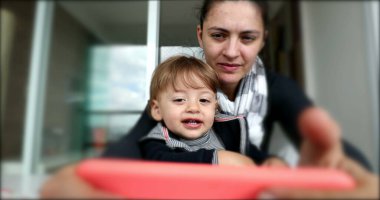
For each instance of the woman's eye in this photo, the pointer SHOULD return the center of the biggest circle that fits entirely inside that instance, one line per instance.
(218, 36)
(248, 39)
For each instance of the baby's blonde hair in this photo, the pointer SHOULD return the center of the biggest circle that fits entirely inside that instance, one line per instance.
(182, 68)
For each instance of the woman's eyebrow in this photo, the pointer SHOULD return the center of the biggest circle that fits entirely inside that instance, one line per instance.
(251, 32)
(215, 28)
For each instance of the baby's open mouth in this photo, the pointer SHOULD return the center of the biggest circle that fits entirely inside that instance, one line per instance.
(192, 121)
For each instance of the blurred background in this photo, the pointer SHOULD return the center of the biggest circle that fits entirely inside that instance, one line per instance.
(74, 74)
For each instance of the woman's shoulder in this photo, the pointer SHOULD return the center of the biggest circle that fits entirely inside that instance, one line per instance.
(274, 78)
(280, 83)
(285, 90)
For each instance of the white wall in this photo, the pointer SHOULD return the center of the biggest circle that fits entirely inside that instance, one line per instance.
(338, 73)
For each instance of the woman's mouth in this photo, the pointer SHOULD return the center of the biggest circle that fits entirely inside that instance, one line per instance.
(229, 67)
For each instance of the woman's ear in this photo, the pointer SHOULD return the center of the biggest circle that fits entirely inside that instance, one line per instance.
(199, 36)
(264, 39)
(155, 110)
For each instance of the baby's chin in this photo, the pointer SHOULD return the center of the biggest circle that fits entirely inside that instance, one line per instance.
(191, 135)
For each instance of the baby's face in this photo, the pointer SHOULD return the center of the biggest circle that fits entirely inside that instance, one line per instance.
(187, 112)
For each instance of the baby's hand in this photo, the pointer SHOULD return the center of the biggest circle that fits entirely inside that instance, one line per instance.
(275, 162)
(234, 159)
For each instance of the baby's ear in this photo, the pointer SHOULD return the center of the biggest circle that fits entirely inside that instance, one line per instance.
(155, 110)
(217, 108)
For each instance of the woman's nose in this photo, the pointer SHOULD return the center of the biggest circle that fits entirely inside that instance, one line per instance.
(231, 49)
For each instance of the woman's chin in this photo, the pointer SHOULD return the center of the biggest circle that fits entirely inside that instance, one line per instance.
(229, 79)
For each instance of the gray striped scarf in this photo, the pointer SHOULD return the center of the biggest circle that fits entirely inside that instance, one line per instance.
(209, 141)
(251, 102)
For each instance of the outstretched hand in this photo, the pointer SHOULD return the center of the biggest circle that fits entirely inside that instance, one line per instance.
(367, 186)
(321, 144)
(322, 147)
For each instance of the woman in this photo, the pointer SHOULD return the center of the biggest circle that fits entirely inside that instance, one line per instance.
(232, 33)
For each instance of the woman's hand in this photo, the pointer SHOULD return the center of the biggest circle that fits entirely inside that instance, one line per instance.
(321, 147)
(67, 185)
(367, 186)
(234, 159)
(321, 144)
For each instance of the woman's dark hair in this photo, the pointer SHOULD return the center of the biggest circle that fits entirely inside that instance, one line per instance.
(207, 5)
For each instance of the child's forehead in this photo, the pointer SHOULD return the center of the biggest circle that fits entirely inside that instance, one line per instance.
(189, 81)
(183, 84)
(183, 89)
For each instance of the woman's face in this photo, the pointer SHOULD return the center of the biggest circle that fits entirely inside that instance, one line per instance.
(231, 37)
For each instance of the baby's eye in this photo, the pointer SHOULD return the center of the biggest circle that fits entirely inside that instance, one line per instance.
(179, 100)
(204, 101)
